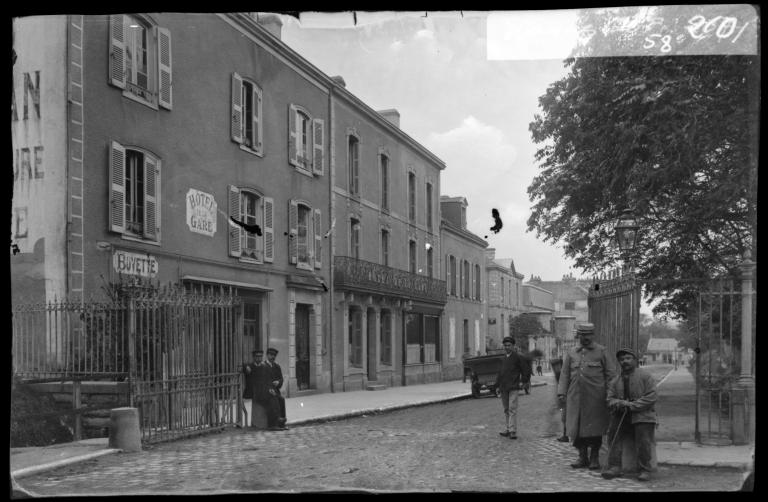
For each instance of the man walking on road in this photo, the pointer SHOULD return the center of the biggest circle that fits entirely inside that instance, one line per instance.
(514, 371)
(584, 378)
(631, 397)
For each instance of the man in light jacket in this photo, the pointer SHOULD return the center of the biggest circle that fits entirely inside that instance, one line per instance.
(631, 397)
(514, 373)
(583, 384)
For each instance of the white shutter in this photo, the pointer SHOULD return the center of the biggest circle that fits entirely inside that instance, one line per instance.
(318, 239)
(318, 146)
(292, 152)
(165, 81)
(151, 181)
(257, 122)
(117, 187)
(269, 230)
(293, 233)
(234, 230)
(471, 282)
(237, 109)
(117, 51)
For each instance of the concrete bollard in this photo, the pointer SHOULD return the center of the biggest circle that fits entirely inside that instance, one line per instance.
(124, 430)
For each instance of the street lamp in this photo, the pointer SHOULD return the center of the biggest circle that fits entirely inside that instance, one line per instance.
(626, 230)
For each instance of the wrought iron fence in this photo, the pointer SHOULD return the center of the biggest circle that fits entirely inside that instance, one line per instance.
(614, 309)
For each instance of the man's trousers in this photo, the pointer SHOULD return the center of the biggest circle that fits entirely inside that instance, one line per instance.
(509, 403)
(643, 434)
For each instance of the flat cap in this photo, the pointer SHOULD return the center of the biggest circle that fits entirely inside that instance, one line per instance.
(626, 351)
(585, 327)
(272, 351)
(508, 339)
(257, 352)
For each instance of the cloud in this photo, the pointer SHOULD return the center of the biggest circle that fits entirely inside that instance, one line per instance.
(396, 46)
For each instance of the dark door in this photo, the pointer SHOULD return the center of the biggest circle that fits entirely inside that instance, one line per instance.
(302, 346)
(371, 334)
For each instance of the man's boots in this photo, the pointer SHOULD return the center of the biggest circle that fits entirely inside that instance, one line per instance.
(594, 459)
(583, 461)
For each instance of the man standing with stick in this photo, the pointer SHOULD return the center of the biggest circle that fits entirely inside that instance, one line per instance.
(631, 397)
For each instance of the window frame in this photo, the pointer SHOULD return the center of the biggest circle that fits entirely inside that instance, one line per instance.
(384, 170)
(355, 337)
(413, 264)
(411, 197)
(428, 194)
(384, 248)
(353, 164)
(385, 337)
(354, 238)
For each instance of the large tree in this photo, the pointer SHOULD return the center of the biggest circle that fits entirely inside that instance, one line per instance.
(673, 137)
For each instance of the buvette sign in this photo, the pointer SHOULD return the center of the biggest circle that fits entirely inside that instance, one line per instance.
(144, 265)
(201, 212)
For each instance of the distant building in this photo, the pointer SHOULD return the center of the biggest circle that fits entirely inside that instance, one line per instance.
(539, 302)
(464, 319)
(503, 298)
(662, 350)
(569, 294)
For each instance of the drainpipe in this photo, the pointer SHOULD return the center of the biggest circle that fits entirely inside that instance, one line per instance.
(332, 235)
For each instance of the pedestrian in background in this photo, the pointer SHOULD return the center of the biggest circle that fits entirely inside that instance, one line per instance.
(514, 373)
(538, 369)
(631, 399)
(276, 415)
(583, 384)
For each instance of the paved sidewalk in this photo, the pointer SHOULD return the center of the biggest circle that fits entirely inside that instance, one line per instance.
(340, 405)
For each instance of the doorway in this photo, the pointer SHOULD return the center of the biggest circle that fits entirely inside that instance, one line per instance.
(302, 346)
(371, 336)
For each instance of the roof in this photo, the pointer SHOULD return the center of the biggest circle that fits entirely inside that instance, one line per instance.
(662, 345)
(565, 290)
(509, 263)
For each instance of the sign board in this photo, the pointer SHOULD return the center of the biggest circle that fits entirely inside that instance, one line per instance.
(201, 212)
(144, 265)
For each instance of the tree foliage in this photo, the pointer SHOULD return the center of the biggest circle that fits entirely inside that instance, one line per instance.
(672, 137)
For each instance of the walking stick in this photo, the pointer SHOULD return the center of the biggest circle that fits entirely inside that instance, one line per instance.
(618, 429)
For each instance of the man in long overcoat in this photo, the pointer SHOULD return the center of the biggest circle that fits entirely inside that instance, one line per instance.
(257, 382)
(583, 384)
(276, 415)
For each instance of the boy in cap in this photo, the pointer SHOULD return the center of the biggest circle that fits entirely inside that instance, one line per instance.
(514, 371)
(631, 397)
(587, 369)
(277, 417)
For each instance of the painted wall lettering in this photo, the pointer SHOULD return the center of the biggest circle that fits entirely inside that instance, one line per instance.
(144, 265)
(201, 212)
(31, 92)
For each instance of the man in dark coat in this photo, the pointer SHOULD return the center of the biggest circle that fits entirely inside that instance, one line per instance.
(583, 384)
(257, 383)
(250, 374)
(276, 416)
(515, 371)
(631, 397)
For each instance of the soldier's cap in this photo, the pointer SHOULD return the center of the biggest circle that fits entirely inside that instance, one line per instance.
(585, 328)
(258, 352)
(508, 339)
(271, 351)
(626, 351)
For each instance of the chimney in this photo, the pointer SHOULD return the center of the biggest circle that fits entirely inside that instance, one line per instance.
(271, 23)
(339, 80)
(392, 115)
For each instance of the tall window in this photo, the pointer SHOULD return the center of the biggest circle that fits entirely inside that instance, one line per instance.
(355, 337)
(412, 256)
(384, 160)
(140, 59)
(252, 326)
(303, 235)
(251, 213)
(303, 139)
(385, 337)
(477, 283)
(430, 262)
(466, 279)
(429, 205)
(453, 274)
(385, 248)
(354, 238)
(306, 141)
(411, 197)
(134, 193)
(466, 335)
(422, 338)
(353, 160)
(502, 291)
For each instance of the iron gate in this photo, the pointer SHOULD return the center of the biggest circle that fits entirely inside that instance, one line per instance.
(614, 309)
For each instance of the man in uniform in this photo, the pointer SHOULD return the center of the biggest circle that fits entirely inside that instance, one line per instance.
(631, 397)
(587, 369)
(514, 371)
(256, 378)
(277, 417)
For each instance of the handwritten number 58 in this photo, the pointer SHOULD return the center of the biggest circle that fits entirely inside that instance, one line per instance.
(665, 42)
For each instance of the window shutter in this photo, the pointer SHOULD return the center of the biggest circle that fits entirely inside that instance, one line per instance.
(117, 51)
(293, 234)
(269, 230)
(292, 135)
(356, 168)
(471, 294)
(448, 273)
(165, 94)
(318, 146)
(318, 239)
(151, 182)
(257, 96)
(234, 230)
(237, 109)
(117, 187)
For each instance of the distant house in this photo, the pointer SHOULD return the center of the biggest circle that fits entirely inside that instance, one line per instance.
(662, 350)
(570, 295)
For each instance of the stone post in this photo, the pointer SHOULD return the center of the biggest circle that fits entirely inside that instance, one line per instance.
(124, 430)
(744, 390)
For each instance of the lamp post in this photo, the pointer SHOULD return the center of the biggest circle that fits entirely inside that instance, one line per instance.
(626, 232)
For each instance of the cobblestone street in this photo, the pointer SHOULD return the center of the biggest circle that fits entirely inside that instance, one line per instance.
(449, 446)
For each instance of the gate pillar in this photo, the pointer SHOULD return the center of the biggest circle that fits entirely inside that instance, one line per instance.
(744, 392)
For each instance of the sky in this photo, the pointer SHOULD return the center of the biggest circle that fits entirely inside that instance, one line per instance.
(466, 85)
